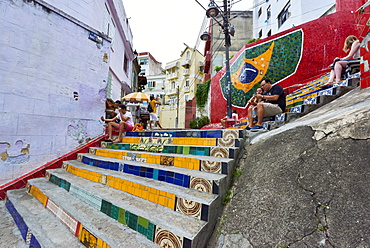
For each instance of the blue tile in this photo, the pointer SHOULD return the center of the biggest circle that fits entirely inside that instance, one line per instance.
(162, 178)
(186, 181)
(150, 170)
(170, 174)
(178, 182)
(155, 174)
(149, 175)
(126, 168)
(142, 174)
(162, 173)
(179, 176)
(169, 179)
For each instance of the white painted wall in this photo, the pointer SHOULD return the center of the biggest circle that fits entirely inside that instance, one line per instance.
(45, 58)
(302, 11)
(108, 17)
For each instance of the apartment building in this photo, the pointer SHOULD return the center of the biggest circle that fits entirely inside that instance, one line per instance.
(182, 78)
(273, 16)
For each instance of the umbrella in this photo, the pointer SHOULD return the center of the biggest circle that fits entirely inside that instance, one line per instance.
(136, 97)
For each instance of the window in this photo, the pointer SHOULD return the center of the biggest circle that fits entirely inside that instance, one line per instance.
(188, 55)
(125, 63)
(151, 84)
(187, 83)
(269, 33)
(143, 61)
(260, 12)
(173, 85)
(142, 72)
(260, 34)
(268, 12)
(284, 15)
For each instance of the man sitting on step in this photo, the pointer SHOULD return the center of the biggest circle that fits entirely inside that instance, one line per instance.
(273, 103)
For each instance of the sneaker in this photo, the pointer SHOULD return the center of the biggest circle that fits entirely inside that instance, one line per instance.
(256, 128)
(248, 128)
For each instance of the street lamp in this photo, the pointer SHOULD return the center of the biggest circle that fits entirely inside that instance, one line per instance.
(212, 11)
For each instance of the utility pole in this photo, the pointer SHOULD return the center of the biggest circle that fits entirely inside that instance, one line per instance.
(177, 108)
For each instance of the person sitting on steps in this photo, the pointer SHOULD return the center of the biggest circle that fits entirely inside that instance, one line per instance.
(339, 65)
(126, 124)
(234, 117)
(273, 103)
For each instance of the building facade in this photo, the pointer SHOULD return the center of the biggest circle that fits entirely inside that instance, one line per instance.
(182, 78)
(242, 22)
(271, 17)
(149, 65)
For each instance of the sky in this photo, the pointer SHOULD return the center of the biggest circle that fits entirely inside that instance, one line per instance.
(162, 27)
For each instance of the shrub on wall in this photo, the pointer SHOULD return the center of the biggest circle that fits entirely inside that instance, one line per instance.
(199, 122)
(217, 68)
(202, 94)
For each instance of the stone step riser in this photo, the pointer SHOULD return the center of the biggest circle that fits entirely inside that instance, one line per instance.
(204, 164)
(164, 175)
(217, 133)
(179, 149)
(213, 142)
(153, 194)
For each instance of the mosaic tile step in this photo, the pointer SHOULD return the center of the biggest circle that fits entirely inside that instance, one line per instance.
(142, 216)
(224, 152)
(9, 232)
(209, 142)
(214, 133)
(36, 224)
(92, 227)
(202, 163)
(204, 181)
(171, 196)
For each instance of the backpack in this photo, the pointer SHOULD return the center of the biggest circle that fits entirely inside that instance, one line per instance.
(150, 109)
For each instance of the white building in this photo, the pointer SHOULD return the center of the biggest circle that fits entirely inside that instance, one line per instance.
(59, 62)
(109, 17)
(149, 65)
(273, 16)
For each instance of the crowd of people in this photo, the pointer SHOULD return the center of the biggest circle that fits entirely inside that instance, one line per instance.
(119, 117)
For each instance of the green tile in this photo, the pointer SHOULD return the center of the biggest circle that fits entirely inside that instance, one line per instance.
(121, 216)
(186, 150)
(114, 211)
(143, 222)
(132, 221)
(106, 207)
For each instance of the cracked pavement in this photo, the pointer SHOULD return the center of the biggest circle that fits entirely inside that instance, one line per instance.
(307, 185)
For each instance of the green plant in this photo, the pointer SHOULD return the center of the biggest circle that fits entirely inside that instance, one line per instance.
(202, 94)
(252, 40)
(232, 56)
(217, 68)
(227, 197)
(199, 122)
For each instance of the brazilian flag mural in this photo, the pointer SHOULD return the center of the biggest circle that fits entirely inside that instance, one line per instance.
(276, 59)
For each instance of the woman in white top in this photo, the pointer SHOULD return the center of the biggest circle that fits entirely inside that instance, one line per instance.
(353, 45)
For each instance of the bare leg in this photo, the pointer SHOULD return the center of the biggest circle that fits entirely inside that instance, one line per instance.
(331, 78)
(110, 127)
(250, 117)
(338, 68)
(159, 125)
(260, 113)
(122, 126)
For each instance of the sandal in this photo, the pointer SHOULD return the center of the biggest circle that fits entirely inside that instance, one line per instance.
(116, 141)
(108, 140)
(326, 85)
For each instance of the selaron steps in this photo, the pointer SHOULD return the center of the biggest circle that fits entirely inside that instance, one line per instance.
(154, 189)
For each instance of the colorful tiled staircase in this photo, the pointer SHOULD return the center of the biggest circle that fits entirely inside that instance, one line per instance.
(155, 189)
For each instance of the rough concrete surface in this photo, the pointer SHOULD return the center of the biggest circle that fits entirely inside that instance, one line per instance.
(307, 186)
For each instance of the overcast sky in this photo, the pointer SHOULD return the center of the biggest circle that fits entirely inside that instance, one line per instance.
(161, 27)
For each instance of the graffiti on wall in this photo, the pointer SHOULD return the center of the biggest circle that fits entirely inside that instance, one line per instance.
(276, 59)
(18, 153)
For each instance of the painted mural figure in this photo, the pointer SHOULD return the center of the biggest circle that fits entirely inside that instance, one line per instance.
(351, 44)
(273, 103)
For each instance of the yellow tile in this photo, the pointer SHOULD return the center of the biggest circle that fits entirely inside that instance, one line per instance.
(171, 204)
(145, 194)
(161, 200)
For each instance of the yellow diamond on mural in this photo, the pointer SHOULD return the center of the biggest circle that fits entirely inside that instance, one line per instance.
(253, 71)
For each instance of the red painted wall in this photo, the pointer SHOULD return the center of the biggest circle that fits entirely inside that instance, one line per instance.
(323, 41)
